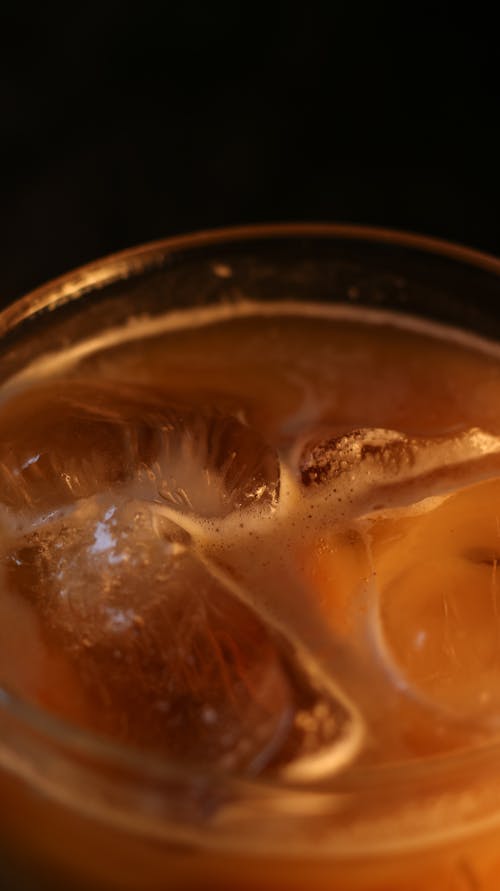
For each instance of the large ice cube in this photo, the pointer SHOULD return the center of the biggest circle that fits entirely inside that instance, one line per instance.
(70, 439)
(168, 657)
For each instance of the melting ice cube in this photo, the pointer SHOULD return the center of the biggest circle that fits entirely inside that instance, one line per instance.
(169, 659)
(71, 439)
(168, 656)
(371, 461)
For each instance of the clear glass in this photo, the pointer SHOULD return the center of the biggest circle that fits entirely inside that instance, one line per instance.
(80, 813)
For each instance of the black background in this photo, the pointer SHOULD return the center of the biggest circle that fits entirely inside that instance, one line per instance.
(123, 123)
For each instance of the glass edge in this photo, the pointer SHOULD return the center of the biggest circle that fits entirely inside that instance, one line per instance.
(140, 258)
(109, 269)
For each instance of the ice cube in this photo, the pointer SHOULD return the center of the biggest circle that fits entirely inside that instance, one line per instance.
(371, 462)
(438, 578)
(329, 458)
(72, 439)
(168, 658)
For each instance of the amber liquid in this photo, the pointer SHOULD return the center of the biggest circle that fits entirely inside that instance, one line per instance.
(265, 543)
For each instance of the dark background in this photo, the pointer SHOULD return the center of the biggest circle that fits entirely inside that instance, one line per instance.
(128, 123)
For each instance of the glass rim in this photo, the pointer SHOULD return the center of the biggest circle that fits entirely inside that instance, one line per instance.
(112, 267)
(74, 285)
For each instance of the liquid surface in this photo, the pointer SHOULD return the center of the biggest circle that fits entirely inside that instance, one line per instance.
(266, 543)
